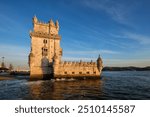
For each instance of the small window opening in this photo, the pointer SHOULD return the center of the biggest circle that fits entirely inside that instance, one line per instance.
(44, 41)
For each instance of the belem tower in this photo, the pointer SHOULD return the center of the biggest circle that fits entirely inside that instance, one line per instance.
(45, 56)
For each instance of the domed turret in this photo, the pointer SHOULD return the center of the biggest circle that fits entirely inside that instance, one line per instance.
(99, 63)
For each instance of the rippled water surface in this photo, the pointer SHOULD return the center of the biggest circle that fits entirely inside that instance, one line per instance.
(112, 85)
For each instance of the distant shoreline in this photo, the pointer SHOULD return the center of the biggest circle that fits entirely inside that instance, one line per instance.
(6, 77)
(130, 68)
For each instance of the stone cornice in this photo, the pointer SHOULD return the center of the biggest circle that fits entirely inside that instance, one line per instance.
(45, 35)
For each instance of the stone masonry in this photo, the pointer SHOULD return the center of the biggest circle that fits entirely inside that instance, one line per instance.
(45, 56)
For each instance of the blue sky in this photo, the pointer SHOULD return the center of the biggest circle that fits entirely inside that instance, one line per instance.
(119, 30)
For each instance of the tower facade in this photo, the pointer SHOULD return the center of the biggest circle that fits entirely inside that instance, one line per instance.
(45, 56)
(45, 47)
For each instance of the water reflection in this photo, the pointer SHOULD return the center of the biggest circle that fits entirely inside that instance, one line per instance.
(77, 89)
(113, 85)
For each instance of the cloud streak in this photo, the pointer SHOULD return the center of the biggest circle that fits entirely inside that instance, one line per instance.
(120, 11)
(92, 52)
(142, 39)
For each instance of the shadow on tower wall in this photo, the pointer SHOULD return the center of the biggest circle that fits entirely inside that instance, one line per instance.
(47, 69)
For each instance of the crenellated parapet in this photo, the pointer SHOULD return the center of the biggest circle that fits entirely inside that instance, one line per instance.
(50, 27)
(80, 64)
(51, 23)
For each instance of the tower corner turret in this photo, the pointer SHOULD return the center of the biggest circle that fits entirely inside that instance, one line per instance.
(99, 63)
(57, 25)
(35, 20)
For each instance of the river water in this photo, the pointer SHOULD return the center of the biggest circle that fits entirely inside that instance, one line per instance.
(112, 86)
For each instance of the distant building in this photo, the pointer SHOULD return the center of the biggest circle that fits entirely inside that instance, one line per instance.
(2, 65)
(3, 69)
(45, 56)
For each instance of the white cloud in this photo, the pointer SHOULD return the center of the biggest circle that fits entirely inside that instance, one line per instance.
(119, 10)
(142, 39)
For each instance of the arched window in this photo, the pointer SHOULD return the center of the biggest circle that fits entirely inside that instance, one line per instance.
(45, 41)
(44, 51)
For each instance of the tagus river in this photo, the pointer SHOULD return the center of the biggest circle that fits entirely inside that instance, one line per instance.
(112, 85)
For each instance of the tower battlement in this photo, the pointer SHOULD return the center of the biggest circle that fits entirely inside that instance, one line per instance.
(49, 28)
(76, 63)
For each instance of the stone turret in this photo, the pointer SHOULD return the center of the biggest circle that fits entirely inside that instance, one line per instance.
(57, 25)
(51, 23)
(35, 20)
(99, 63)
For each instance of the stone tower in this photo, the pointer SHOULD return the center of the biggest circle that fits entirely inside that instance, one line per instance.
(45, 49)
